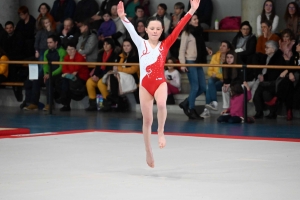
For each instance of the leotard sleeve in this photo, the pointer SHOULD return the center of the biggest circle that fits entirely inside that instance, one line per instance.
(133, 34)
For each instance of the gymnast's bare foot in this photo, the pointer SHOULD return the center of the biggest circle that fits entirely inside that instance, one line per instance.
(161, 140)
(150, 159)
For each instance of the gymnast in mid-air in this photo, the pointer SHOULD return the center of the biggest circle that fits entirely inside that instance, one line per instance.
(152, 56)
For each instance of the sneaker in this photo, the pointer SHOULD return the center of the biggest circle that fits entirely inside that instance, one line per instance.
(213, 105)
(31, 107)
(205, 113)
(47, 107)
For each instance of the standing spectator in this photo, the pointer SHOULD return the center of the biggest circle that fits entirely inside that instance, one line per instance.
(268, 13)
(193, 50)
(107, 28)
(204, 13)
(44, 10)
(61, 10)
(85, 9)
(267, 35)
(162, 14)
(287, 44)
(3, 67)
(74, 78)
(173, 81)
(70, 33)
(54, 53)
(26, 26)
(87, 43)
(244, 43)
(139, 15)
(292, 18)
(215, 82)
(120, 34)
(95, 81)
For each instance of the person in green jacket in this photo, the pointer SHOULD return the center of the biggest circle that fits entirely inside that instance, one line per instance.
(53, 53)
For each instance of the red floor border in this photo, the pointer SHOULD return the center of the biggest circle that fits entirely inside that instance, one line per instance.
(217, 136)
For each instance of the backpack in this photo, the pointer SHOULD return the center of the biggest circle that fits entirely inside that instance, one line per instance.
(116, 102)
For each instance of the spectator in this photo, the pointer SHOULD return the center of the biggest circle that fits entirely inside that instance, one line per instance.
(267, 87)
(85, 9)
(244, 43)
(107, 28)
(204, 13)
(287, 44)
(26, 26)
(106, 7)
(291, 17)
(120, 34)
(61, 10)
(175, 18)
(44, 10)
(130, 8)
(139, 15)
(162, 14)
(87, 43)
(140, 29)
(69, 34)
(122, 79)
(235, 113)
(13, 44)
(106, 55)
(173, 81)
(215, 82)
(74, 78)
(143, 3)
(3, 67)
(267, 35)
(53, 53)
(268, 13)
(193, 50)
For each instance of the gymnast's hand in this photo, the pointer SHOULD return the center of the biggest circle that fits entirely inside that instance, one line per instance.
(194, 6)
(120, 10)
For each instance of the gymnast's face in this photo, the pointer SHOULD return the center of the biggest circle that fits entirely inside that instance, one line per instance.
(154, 30)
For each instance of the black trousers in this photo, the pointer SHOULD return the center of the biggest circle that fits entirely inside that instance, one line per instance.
(264, 92)
(2, 78)
(33, 90)
(229, 119)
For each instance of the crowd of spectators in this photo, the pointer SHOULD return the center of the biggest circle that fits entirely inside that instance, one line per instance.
(89, 32)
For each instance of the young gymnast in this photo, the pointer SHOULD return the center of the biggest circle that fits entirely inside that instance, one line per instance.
(152, 55)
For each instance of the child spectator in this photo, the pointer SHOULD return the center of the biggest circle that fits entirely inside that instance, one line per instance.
(173, 81)
(286, 44)
(235, 113)
(107, 28)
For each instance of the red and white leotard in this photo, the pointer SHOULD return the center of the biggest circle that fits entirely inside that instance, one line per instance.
(152, 60)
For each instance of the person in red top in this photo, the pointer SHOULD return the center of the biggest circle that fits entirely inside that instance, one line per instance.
(74, 78)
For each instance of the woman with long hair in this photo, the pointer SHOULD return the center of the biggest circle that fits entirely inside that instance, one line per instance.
(268, 13)
(292, 18)
(44, 10)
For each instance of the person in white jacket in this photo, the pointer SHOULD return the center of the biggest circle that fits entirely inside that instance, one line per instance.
(173, 81)
(268, 13)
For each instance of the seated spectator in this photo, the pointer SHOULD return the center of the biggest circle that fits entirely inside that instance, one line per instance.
(140, 29)
(53, 53)
(204, 13)
(69, 34)
(173, 80)
(244, 43)
(3, 67)
(122, 79)
(175, 18)
(267, 35)
(107, 28)
(26, 26)
(267, 87)
(44, 10)
(130, 8)
(162, 14)
(85, 9)
(268, 13)
(13, 44)
(74, 78)
(143, 3)
(215, 82)
(42, 35)
(287, 44)
(120, 34)
(61, 10)
(292, 17)
(139, 15)
(235, 113)
(105, 55)
(87, 43)
(106, 7)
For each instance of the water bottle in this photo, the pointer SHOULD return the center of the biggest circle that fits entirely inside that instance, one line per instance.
(99, 101)
(217, 24)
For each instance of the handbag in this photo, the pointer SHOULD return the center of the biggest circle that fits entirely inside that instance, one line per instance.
(230, 23)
